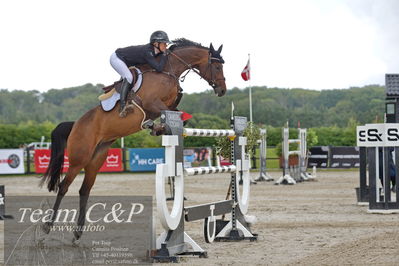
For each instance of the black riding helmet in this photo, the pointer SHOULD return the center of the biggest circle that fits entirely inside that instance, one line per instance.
(159, 36)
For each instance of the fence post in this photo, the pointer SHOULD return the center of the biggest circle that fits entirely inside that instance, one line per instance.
(253, 158)
(28, 171)
(213, 157)
(124, 159)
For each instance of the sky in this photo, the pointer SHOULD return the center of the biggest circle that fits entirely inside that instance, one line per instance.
(306, 44)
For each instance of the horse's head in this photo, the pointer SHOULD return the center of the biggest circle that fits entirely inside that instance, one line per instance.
(212, 71)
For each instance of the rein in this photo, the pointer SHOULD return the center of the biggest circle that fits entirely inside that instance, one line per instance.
(167, 73)
(211, 82)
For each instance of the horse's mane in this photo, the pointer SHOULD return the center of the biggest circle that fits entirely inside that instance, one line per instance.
(183, 42)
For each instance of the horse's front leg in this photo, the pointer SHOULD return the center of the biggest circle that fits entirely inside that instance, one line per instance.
(154, 110)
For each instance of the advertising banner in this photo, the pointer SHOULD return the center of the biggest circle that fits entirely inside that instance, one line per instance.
(378, 135)
(42, 160)
(197, 157)
(344, 157)
(318, 157)
(145, 160)
(12, 161)
(113, 163)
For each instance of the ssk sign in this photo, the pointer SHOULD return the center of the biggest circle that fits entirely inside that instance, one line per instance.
(378, 135)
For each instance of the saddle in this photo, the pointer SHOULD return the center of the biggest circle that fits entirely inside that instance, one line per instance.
(117, 84)
(112, 92)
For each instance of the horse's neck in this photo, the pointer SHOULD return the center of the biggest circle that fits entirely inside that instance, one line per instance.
(192, 56)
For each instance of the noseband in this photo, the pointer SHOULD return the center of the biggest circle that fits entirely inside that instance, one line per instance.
(212, 81)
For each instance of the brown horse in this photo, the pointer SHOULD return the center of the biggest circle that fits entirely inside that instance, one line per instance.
(88, 139)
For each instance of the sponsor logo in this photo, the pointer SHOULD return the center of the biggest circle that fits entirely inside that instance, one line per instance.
(44, 159)
(146, 161)
(373, 135)
(112, 159)
(13, 161)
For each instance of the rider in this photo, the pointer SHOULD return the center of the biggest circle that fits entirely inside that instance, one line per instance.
(123, 58)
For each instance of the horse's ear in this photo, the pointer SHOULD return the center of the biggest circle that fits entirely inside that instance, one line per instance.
(211, 48)
(220, 49)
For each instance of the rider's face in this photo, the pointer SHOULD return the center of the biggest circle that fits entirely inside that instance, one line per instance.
(161, 45)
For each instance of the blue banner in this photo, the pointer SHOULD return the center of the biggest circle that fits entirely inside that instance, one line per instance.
(143, 160)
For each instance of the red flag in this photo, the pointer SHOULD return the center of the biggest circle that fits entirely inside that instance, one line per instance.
(185, 116)
(245, 74)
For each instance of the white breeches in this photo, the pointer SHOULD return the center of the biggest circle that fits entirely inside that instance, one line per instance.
(121, 67)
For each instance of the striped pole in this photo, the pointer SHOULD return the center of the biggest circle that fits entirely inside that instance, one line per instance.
(208, 132)
(210, 170)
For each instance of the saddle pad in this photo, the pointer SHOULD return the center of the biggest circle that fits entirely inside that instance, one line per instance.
(109, 100)
(109, 103)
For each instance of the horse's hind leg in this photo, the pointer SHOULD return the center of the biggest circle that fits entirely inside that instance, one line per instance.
(73, 171)
(79, 156)
(91, 171)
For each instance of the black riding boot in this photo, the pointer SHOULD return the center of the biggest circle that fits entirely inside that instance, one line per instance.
(125, 88)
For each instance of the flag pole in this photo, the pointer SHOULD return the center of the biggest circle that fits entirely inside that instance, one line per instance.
(250, 96)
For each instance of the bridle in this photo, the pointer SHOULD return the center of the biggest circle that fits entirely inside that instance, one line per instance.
(212, 81)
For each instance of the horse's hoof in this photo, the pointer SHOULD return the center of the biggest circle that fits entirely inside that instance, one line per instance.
(76, 237)
(75, 241)
(158, 130)
(156, 133)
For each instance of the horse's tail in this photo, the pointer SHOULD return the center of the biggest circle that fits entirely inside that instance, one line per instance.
(59, 137)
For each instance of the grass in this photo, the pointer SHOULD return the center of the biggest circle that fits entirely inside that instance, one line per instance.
(272, 160)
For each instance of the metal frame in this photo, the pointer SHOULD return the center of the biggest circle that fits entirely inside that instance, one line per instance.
(362, 192)
(295, 174)
(380, 200)
(174, 241)
(3, 215)
(263, 175)
(371, 138)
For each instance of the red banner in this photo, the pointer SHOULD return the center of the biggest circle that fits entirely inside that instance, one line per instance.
(113, 162)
